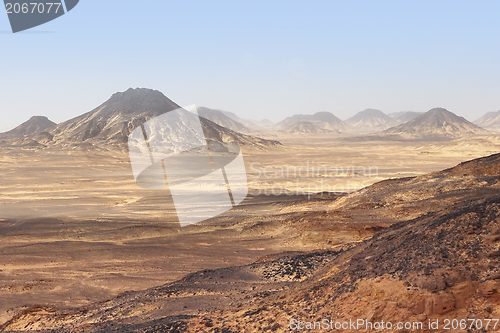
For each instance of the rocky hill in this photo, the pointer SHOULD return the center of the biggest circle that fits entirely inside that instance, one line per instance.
(440, 261)
(305, 127)
(443, 265)
(322, 120)
(113, 120)
(437, 124)
(370, 120)
(33, 126)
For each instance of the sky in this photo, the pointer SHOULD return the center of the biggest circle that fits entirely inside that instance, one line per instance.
(258, 59)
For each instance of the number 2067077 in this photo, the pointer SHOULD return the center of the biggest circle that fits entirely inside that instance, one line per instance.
(464, 324)
(32, 7)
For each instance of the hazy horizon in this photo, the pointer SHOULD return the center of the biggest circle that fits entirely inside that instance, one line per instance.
(248, 118)
(258, 60)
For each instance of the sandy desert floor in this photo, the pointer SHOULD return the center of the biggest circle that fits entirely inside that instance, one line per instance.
(76, 229)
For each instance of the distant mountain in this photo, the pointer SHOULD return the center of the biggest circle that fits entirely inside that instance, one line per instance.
(403, 117)
(33, 126)
(490, 121)
(437, 123)
(220, 118)
(305, 127)
(249, 123)
(370, 120)
(112, 122)
(264, 124)
(322, 120)
(395, 115)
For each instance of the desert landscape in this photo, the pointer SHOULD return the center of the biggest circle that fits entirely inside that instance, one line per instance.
(379, 217)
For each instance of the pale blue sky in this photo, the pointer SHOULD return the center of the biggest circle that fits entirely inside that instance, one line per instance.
(259, 59)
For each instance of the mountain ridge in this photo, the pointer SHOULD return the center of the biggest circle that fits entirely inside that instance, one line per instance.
(489, 121)
(110, 123)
